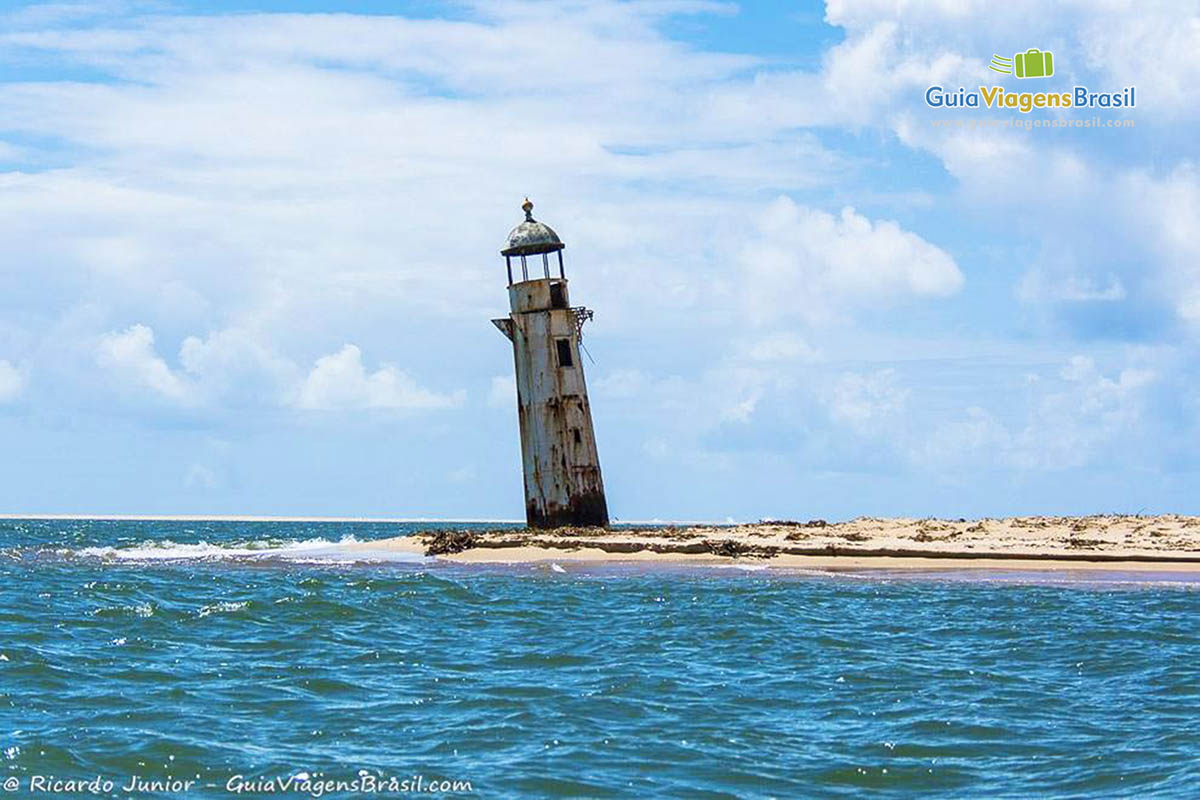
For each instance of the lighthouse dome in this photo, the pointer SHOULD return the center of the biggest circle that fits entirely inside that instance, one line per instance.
(531, 237)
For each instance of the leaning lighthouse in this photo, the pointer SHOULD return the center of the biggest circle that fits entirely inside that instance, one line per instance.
(558, 446)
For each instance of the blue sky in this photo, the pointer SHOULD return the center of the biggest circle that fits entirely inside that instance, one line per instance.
(250, 252)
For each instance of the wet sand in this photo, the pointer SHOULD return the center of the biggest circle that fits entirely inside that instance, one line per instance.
(1103, 542)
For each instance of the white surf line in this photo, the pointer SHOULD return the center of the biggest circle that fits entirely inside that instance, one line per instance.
(315, 551)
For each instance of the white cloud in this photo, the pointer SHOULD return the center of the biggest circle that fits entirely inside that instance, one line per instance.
(895, 48)
(866, 75)
(1167, 208)
(976, 439)
(339, 382)
(805, 261)
(12, 382)
(1070, 425)
(621, 384)
(233, 365)
(781, 347)
(742, 409)
(867, 403)
(1077, 416)
(130, 355)
(1037, 286)
(249, 99)
(231, 368)
(1140, 243)
(1155, 46)
(232, 178)
(1072, 420)
(863, 13)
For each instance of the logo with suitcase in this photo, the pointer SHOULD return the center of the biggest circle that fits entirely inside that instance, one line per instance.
(1033, 63)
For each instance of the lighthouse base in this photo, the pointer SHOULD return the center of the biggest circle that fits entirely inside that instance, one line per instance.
(585, 510)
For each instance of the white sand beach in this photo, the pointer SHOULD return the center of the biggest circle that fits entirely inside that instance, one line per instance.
(1124, 542)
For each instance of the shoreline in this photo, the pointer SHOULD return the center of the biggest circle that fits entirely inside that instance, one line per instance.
(826, 563)
(1163, 543)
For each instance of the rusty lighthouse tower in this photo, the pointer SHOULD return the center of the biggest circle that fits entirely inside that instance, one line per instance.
(558, 446)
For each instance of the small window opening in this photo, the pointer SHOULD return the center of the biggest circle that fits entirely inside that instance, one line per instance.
(558, 298)
(564, 352)
(578, 438)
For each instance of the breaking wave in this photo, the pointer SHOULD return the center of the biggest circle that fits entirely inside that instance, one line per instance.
(347, 550)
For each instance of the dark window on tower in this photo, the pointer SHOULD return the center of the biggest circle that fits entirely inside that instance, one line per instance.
(558, 298)
(564, 352)
(578, 438)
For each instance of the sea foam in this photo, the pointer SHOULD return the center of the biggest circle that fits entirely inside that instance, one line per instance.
(308, 551)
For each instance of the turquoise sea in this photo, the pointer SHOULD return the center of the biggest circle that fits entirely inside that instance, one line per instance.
(233, 654)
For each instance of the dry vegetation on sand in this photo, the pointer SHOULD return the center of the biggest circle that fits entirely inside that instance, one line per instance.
(1101, 538)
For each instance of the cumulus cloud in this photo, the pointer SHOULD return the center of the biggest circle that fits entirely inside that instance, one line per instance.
(234, 366)
(12, 382)
(339, 382)
(805, 260)
(131, 356)
(231, 367)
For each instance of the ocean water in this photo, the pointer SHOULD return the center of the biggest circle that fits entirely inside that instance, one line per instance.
(231, 654)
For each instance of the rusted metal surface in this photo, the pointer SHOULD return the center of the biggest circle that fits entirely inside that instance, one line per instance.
(582, 315)
(563, 485)
(505, 326)
(531, 237)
